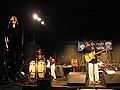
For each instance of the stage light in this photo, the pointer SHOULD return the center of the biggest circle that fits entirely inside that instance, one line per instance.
(35, 16)
(38, 19)
(42, 22)
(13, 21)
(6, 42)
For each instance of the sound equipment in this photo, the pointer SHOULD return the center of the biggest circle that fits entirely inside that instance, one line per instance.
(44, 82)
(77, 78)
(59, 71)
(112, 79)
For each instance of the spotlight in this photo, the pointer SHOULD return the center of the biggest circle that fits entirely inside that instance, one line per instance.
(35, 16)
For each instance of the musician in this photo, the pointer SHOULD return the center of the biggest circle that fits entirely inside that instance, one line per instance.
(40, 55)
(87, 48)
(93, 73)
(100, 63)
(52, 67)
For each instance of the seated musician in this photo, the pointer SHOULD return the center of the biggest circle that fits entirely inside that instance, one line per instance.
(101, 67)
(100, 64)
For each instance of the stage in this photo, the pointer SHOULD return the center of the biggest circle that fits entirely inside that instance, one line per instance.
(58, 84)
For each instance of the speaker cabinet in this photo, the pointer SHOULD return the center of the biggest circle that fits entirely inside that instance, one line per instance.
(112, 79)
(77, 78)
(59, 72)
(44, 82)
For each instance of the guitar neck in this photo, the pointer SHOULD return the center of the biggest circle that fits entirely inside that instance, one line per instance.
(100, 52)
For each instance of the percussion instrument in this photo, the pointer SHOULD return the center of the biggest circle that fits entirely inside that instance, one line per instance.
(32, 69)
(41, 69)
(38, 68)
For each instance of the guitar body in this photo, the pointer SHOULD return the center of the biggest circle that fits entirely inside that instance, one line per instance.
(89, 56)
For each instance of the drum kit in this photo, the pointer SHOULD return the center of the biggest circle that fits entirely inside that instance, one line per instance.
(106, 65)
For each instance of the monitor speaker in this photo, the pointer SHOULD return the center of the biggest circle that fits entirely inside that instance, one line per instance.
(59, 72)
(112, 79)
(77, 78)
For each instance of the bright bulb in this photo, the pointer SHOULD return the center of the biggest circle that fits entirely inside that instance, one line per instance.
(35, 16)
(38, 19)
(42, 22)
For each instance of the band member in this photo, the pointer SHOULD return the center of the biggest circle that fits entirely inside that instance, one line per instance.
(101, 65)
(48, 71)
(52, 67)
(40, 64)
(40, 55)
(91, 58)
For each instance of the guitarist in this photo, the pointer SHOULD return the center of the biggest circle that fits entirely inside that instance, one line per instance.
(92, 63)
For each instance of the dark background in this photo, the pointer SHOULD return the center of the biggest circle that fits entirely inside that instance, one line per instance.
(66, 23)
(71, 19)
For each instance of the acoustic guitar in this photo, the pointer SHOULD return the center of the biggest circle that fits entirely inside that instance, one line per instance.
(90, 56)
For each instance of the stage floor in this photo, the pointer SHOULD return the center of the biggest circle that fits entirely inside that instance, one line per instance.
(58, 84)
(63, 83)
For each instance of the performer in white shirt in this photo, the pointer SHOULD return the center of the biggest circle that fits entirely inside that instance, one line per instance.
(100, 64)
(52, 67)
